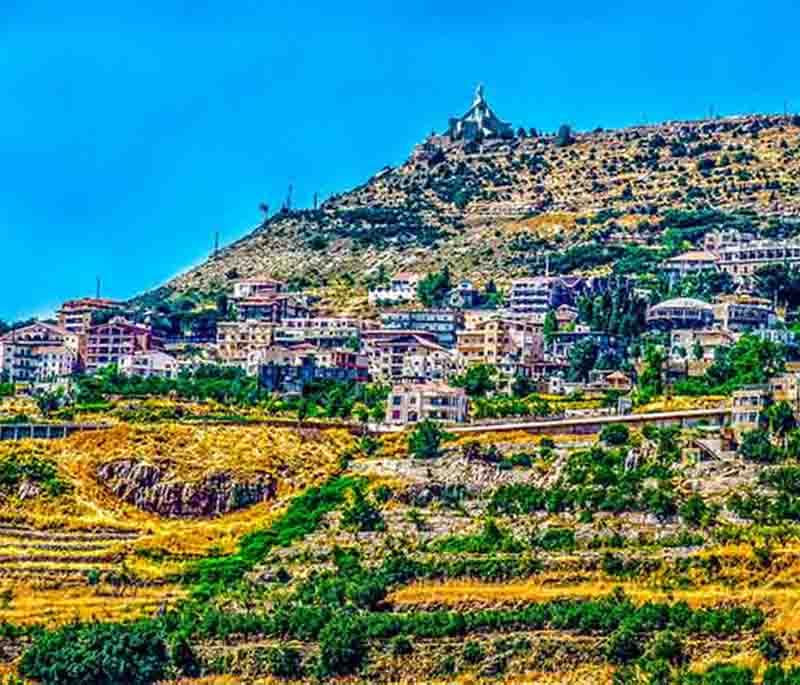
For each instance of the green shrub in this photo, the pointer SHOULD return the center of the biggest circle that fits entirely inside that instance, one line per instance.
(342, 646)
(615, 434)
(694, 511)
(771, 647)
(667, 646)
(97, 653)
(284, 662)
(623, 645)
(473, 652)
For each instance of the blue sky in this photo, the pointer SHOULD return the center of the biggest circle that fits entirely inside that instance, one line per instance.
(129, 136)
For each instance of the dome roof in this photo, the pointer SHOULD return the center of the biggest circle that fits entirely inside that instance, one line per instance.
(684, 303)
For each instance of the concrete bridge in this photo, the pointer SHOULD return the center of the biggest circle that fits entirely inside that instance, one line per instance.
(718, 416)
(45, 431)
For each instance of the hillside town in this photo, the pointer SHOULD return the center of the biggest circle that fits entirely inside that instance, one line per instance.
(442, 347)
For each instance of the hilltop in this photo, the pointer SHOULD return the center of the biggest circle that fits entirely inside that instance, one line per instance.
(492, 209)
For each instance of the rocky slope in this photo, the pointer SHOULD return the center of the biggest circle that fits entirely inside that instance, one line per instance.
(492, 210)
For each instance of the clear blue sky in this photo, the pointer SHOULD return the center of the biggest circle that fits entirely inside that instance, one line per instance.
(128, 137)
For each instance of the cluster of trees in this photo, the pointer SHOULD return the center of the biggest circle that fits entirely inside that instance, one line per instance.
(750, 361)
(617, 311)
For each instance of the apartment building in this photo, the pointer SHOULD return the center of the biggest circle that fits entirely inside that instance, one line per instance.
(39, 352)
(748, 405)
(402, 288)
(108, 343)
(494, 340)
(395, 356)
(443, 323)
(411, 403)
(237, 339)
(75, 316)
(742, 260)
(694, 261)
(257, 287)
(744, 313)
(326, 332)
(680, 313)
(274, 308)
(539, 294)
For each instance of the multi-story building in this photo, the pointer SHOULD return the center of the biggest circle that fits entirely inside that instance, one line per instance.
(742, 260)
(748, 404)
(744, 313)
(320, 331)
(408, 355)
(39, 352)
(275, 308)
(107, 343)
(693, 351)
(680, 313)
(539, 294)
(694, 261)
(464, 295)
(411, 403)
(561, 344)
(292, 374)
(75, 316)
(257, 287)
(237, 339)
(443, 323)
(148, 364)
(402, 288)
(496, 340)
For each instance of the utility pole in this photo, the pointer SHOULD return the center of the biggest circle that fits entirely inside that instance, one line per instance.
(216, 243)
(97, 287)
(316, 199)
(289, 199)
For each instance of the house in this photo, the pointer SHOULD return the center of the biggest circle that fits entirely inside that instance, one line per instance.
(443, 323)
(693, 351)
(694, 261)
(76, 316)
(680, 313)
(401, 289)
(410, 403)
(607, 379)
(148, 364)
(107, 343)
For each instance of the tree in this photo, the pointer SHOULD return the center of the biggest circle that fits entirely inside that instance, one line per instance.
(615, 434)
(564, 136)
(477, 381)
(582, 358)
(361, 413)
(550, 326)
(425, 441)
(651, 380)
(781, 420)
(433, 289)
(755, 446)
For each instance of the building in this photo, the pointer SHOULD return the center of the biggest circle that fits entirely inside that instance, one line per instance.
(107, 343)
(748, 404)
(411, 403)
(680, 313)
(539, 294)
(714, 241)
(257, 287)
(691, 262)
(479, 123)
(395, 356)
(237, 339)
(561, 345)
(76, 316)
(464, 295)
(39, 352)
(273, 308)
(499, 340)
(326, 332)
(742, 260)
(400, 290)
(443, 323)
(148, 364)
(693, 351)
(294, 374)
(744, 313)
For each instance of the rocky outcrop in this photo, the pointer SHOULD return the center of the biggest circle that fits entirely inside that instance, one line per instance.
(155, 488)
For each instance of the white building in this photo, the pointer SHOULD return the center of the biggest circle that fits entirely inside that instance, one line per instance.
(402, 288)
(147, 364)
(411, 403)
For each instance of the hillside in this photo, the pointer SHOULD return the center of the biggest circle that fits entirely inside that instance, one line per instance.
(493, 210)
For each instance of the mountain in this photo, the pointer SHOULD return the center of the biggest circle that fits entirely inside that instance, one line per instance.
(492, 207)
